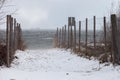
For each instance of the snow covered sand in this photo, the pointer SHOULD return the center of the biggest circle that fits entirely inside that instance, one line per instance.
(56, 64)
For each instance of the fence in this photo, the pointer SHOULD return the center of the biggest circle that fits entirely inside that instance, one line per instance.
(13, 41)
(102, 43)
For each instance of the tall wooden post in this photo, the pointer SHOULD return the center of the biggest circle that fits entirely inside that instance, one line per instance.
(11, 38)
(69, 23)
(17, 32)
(94, 19)
(57, 37)
(8, 40)
(114, 38)
(71, 37)
(20, 37)
(60, 38)
(86, 35)
(105, 33)
(15, 48)
(65, 36)
(74, 35)
(79, 35)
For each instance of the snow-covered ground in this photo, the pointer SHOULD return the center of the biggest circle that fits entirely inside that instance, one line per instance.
(56, 64)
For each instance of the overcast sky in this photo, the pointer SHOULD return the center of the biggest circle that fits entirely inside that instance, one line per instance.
(49, 14)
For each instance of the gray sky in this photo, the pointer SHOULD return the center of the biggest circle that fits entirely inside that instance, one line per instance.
(49, 14)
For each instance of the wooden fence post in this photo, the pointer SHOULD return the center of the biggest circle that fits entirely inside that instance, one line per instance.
(65, 37)
(11, 38)
(60, 38)
(105, 34)
(15, 35)
(74, 35)
(115, 51)
(94, 35)
(79, 35)
(20, 37)
(86, 35)
(62, 34)
(57, 36)
(68, 38)
(71, 38)
(8, 40)
(68, 32)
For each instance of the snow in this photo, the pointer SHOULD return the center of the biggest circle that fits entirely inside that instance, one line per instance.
(56, 64)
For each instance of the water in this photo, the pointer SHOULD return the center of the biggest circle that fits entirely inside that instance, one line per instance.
(39, 39)
(42, 39)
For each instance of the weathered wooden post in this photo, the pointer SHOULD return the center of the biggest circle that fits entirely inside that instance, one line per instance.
(60, 38)
(69, 23)
(11, 38)
(20, 37)
(65, 37)
(94, 34)
(86, 39)
(62, 34)
(17, 36)
(57, 37)
(15, 48)
(115, 50)
(8, 40)
(105, 34)
(79, 35)
(71, 37)
(74, 24)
